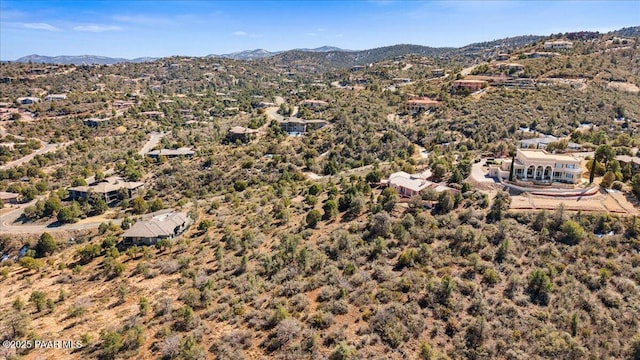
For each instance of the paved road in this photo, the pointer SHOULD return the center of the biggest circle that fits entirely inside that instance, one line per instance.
(8, 224)
(467, 71)
(153, 141)
(272, 113)
(43, 150)
(478, 173)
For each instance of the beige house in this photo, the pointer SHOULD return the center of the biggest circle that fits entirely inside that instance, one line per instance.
(108, 189)
(149, 232)
(409, 185)
(540, 166)
(241, 133)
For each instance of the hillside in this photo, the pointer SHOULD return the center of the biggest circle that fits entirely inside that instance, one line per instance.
(299, 248)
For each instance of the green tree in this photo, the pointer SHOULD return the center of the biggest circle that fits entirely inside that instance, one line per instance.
(52, 206)
(572, 232)
(608, 179)
(313, 217)
(111, 344)
(156, 205)
(30, 263)
(46, 245)
(139, 205)
(446, 202)
(66, 215)
(539, 287)
(500, 205)
(374, 176)
(39, 299)
(99, 206)
(330, 209)
(635, 185)
(605, 153)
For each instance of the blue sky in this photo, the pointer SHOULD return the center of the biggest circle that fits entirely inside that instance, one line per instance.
(194, 28)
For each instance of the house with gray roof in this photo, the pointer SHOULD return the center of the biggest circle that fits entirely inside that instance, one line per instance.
(148, 232)
(241, 133)
(108, 189)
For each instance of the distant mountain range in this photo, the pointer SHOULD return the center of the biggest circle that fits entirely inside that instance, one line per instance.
(79, 60)
(261, 53)
(329, 55)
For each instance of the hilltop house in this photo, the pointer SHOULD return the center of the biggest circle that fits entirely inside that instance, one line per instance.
(153, 114)
(55, 97)
(28, 100)
(314, 104)
(421, 103)
(299, 126)
(149, 232)
(95, 122)
(108, 189)
(539, 166)
(558, 44)
(472, 85)
(542, 142)
(241, 133)
(179, 152)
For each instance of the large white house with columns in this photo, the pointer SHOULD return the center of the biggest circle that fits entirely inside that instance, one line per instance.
(540, 166)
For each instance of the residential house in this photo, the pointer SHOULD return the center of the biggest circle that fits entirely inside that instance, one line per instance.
(108, 189)
(541, 54)
(558, 44)
(401, 80)
(179, 152)
(543, 141)
(472, 85)
(315, 104)
(540, 166)
(121, 104)
(96, 122)
(9, 198)
(409, 185)
(264, 104)
(418, 103)
(503, 57)
(625, 160)
(55, 97)
(299, 126)
(241, 133)
(153, 114)
(28, 100)
(437, 72)
(149, 232)
(508, 66)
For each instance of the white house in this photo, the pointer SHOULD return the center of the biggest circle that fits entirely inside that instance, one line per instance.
(539, 166)
(558, 44)
(543, 141)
